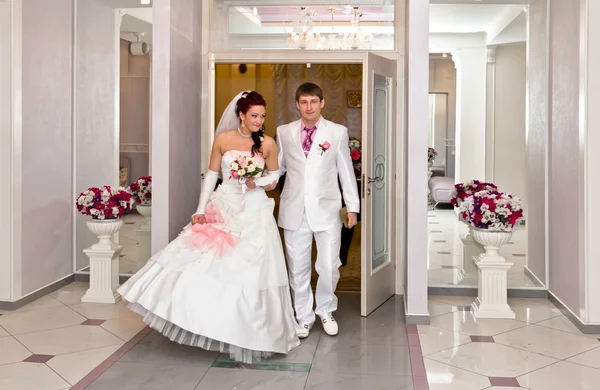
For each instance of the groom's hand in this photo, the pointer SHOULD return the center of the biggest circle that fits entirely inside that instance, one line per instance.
(351, 219)
(271, 186)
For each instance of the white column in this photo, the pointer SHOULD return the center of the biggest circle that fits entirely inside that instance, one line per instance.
(590, 121)
(470, 112)
(417, 111)
(10, 149)
(490, 105)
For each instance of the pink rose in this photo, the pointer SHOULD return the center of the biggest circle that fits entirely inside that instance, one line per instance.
(326, 145)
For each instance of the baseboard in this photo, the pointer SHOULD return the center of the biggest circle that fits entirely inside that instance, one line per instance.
(533, 277)
(417, 319)
(584, 328)
(86, 278)
(414, 319)
(460, 291)
(14, 305)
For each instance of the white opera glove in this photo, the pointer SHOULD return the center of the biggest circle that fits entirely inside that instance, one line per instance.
(269, 178)
(208, 186)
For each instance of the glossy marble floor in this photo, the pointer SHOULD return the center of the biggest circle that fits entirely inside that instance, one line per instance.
(447, 265)
(60, 343)
(539, 350)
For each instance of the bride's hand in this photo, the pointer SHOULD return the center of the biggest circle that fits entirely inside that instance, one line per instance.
(250, 183)
(198, 218)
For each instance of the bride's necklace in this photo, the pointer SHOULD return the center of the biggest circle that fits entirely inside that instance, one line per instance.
(244, 135)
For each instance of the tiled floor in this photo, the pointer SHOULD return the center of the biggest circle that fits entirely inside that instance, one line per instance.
(539, 350)
(56, 343)
(59, 343)
(447, 264)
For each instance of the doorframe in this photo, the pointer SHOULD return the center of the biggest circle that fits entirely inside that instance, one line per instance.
(399, 199)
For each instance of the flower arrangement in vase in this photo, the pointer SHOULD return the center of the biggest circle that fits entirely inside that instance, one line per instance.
(141, 190)
(431, 155)
(105, 203)
(461, 191)
(492, 211)
(355, 154)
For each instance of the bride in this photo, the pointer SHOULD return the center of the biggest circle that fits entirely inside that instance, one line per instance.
(222, 283)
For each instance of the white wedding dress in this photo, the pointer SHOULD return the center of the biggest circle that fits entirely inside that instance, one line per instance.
(222, 285)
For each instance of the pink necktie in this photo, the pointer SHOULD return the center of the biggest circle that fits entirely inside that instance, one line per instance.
(306, 145)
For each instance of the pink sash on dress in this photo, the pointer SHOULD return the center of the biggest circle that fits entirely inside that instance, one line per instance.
(209, 237)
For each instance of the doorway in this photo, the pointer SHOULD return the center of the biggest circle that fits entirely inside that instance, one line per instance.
(277, 83)
(377, 103)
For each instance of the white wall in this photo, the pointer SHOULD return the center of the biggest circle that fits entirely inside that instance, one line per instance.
(566, 268)
(47, 198)
(176, 92)
(506, 136)
(537, 138)
(470, 116)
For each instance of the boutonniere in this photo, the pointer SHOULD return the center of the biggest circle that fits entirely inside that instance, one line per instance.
(324, 147)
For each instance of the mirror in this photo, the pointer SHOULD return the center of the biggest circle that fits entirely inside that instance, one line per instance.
(438, 131)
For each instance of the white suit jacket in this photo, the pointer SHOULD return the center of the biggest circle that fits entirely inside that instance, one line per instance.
(311, 185)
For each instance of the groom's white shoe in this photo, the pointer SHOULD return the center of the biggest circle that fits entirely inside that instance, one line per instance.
(330, 326)
(303, 331)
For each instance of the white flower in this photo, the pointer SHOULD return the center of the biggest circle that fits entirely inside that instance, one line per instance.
(241, 172)
(115, 211)
(234, 166)
(251, 168)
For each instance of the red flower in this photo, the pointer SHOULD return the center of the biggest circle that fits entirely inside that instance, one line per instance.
(355, 155)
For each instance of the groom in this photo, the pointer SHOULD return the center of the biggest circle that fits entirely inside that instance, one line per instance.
(314, 152)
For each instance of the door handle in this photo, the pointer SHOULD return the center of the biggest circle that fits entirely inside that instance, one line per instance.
(374, 179)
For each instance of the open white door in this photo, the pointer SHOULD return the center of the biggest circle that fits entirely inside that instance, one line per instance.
(378, 274)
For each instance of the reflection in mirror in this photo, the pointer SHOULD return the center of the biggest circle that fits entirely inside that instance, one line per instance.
(438, 131)
(134, 156)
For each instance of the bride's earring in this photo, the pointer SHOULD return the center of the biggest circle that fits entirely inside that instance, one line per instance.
(243, 125)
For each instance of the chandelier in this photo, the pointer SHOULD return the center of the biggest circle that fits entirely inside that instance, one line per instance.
(304, 34)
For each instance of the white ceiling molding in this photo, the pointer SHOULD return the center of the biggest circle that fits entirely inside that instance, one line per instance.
(508, 15)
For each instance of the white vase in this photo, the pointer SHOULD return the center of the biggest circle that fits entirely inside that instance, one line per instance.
(145, 211)
(491, 241)
(429, 164)
(105, 229)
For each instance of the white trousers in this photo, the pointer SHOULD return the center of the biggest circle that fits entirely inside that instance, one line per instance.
(298, 245)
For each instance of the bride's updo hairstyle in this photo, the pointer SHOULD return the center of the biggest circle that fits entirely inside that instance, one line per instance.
(243, 105)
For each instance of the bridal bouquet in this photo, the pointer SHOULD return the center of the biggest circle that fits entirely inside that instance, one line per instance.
(105, 202)
(141, 190)
(492, 210)
(243, 168)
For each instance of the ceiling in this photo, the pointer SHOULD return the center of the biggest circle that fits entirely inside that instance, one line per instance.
(464, 18)
(492, 17)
